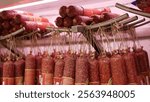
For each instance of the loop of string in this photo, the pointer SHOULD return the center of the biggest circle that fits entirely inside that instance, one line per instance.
(133, 32)
(115, 45)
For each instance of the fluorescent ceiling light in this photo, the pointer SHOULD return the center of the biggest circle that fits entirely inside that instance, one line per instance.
(28, 4)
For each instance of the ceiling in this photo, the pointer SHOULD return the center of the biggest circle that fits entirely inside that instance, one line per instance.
(55, 4)
(8, 3)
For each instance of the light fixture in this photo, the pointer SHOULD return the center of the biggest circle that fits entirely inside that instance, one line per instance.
(28, 4)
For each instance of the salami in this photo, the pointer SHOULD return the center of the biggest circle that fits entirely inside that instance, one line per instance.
(118, 70)
(104, 69)
(29, 77)
(142, 61)
(48, 65)
(108, 16)
(68, 22)
(38, 59)
(69, 69)
(78, 20)
(59, 22)
(93, 71)
(145, 58)
(21, 18)
(9, 14)
(63, 11)
(73, 11)
(130, 67)
(19, 71)
(59, 68)
(31, 25)
(138, 67)
(82, 71)
(8, 73)
(98, 18)
(6, 25)
(1, 71)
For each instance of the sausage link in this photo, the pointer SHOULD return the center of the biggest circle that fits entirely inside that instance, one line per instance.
(93, 72)
(38, 67)
(8, 73)
(30, 66)
(82, 71)
(130, 67)
(48, 65)
(119, 76)
(19, 71)
(104, 69)
(69, 70)
(59, 67)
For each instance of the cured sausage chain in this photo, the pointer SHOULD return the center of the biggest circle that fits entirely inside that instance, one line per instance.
(130, 67)
(77, 15)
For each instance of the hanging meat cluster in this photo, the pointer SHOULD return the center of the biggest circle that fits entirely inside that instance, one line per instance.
(126, 67)
(12, 20)
(77, 15)
(123, 62)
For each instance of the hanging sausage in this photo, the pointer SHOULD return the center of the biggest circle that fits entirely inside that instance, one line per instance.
(141, 60)
(138, 67)
(38, 59)
(59, 68)
(29, 77)
(47, 69)
(142, 63)
(146, 60)
(8, 73)
(93, 71)
(118, 70)
(19, 71)
(69, 69)
(130, 67)
(104, 69)
(82, 71)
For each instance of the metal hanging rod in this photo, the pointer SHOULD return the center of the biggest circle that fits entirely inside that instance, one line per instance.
(12, 34)
(142, 24)
(13, 50)
(132, 10)
(126, 21)
(109, 22)
(136, 22)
